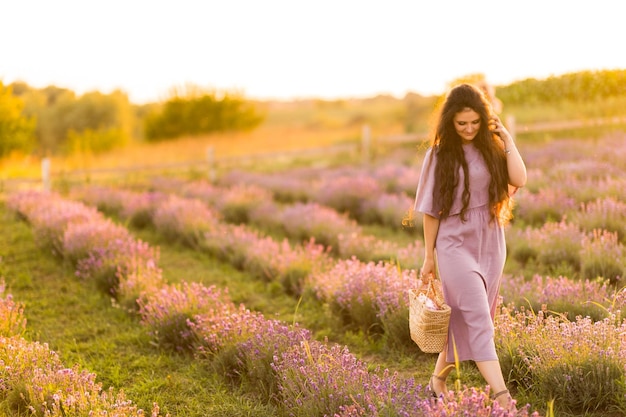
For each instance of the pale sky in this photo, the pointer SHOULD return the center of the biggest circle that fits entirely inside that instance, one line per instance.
(299, 49)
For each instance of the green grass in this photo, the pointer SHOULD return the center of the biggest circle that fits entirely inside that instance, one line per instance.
(83, 327)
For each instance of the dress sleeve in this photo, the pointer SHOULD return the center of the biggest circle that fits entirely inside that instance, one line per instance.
(424, 200)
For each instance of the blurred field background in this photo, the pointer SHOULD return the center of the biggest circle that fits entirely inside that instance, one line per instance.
(99, 131)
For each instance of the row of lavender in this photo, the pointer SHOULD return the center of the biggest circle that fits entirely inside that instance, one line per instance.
(562, 249)
(381, 194)
(250, 204)
(572, 178)
(282, 363)
(587, 245)
(571, 198)
(308, 267)
(535, 369)
(572, 218)
(372, 296)
(34, 381)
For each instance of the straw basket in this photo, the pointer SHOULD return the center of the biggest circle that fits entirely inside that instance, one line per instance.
(429, 328)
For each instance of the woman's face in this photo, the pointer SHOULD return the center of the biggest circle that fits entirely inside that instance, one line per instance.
(467, 124)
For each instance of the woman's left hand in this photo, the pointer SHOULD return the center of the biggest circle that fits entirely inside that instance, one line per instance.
(497, 127)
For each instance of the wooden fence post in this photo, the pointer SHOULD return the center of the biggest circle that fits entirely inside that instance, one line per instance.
(210, 157)
(365, 144)
(45, 174)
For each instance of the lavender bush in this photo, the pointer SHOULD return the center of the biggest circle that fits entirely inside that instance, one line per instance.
(50, 215)
(318, 379)
(229, 243)
(603, 213)
(602, 255)
(290, 188)
(588, 190)
(386, 209)
(584, 168)
(138, 273)
(81, 239)
(252, 358)
(303, 221)
(571, 297)
(366, 247)
(184, 219)
(581, 368)
(237, 202)
(123, 268)
(396, 178)
(102, 251)
(200, 190)
(135, 207)
(297, 265)
(170, 312)
(280, 262)
(547, 205)
(372, 296)
(12, 320)
(266, 258)
(347, 194)
(553, 249)
(138, 208)
(33, 381)
(106, 199)
(241, 346)
(410, 256)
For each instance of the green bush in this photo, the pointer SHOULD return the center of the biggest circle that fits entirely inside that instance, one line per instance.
(579, 86)
(199, 113)
(93, 122)
(95, 141)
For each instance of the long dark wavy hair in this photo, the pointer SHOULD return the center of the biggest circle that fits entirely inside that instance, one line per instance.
(450, 156)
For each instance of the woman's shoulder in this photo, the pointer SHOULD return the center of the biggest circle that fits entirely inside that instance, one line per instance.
(431, 154)
(432, 150)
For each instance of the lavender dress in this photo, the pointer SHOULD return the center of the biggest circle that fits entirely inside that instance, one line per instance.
(470, 256)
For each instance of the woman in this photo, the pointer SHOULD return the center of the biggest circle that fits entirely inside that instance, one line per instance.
(468, 176)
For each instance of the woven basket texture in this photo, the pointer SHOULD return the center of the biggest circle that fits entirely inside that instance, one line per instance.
(429, 328)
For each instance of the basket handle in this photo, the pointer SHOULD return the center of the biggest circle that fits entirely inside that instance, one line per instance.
(431, 292)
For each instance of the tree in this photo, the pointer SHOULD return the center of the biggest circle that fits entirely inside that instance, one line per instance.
(16, 131)
(93, 122)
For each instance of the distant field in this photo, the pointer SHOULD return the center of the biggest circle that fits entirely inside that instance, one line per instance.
(308, 124)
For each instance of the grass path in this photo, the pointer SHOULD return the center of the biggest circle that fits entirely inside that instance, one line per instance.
(80, 324)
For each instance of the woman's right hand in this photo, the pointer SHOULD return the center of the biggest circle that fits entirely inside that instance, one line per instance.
(428, 270)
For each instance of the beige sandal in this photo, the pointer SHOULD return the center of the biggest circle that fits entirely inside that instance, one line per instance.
(432, 389)
(505, 392)
(498, 394)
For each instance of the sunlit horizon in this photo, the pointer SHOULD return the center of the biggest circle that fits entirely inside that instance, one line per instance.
(281, 50)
